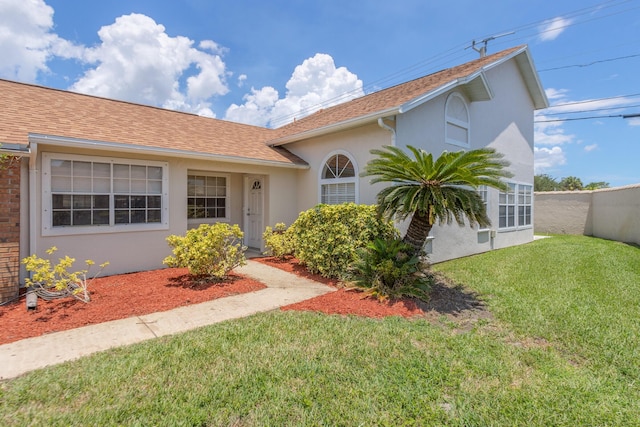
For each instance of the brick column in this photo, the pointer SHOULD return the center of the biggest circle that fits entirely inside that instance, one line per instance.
(9, 229)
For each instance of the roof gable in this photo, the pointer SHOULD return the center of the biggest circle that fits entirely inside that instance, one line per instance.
(469, 77)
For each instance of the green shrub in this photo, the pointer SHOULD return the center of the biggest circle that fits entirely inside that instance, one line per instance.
(56, 281)
(278, 241)
(327, 237)
(386, 269)
(209, 250)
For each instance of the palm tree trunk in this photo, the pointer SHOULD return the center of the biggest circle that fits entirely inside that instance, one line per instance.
(418, 231)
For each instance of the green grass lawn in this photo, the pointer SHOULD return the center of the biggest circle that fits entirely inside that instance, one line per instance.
(563, 348)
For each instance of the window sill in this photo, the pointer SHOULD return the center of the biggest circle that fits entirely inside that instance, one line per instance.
(102, 229)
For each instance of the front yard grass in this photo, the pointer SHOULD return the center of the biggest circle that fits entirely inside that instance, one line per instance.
(562, 349)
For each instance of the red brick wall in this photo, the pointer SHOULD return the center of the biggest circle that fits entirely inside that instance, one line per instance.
(9, 229)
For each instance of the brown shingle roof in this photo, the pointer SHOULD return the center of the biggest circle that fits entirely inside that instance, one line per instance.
(385, 99)
(26, 108)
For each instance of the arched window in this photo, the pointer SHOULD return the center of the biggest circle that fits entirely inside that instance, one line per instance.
(457, 120)
(338, 179)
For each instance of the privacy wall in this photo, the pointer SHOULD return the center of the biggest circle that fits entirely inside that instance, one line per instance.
(611, 213)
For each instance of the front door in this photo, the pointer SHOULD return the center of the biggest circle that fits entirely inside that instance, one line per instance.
(253, 226)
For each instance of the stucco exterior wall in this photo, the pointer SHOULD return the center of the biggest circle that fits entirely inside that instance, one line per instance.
(504, 123)
(357, 142)
(130, 251)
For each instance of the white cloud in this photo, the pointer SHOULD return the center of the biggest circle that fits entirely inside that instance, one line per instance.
(27, 41)
(546, 159)
(635, 121)
(241, 79)
(556, 94)
(590, 147)
(137, 61)
(314, 84)
(552, 28)
(550, 133)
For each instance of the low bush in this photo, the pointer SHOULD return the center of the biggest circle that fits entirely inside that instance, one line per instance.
(209, 250)
(56, 281)
(388, 269)
(327, 237)
(278, 241)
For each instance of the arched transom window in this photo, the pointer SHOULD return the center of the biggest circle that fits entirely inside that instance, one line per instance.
(457, 117)
(338, 179)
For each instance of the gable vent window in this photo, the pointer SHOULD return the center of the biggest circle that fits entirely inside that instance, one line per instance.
(338, 180)
(457, 121)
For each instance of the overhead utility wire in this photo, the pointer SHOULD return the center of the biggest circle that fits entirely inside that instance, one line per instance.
(588, 64)
(624, 116)
(600, 6)
(591, 111)
(595, 100)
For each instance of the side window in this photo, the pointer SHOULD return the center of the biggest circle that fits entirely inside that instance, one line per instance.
(457, 121)
(338, 179)
(207, 197)
(516, 206)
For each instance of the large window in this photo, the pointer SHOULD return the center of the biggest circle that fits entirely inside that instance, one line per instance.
(208, 197)
(515, 206)
(457, 121)
(338, 179)
(101, 193)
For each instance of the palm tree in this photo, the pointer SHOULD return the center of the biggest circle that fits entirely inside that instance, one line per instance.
(571, 183)
(442, 190)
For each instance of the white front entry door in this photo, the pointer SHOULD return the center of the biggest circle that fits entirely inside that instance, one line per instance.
(254, 206)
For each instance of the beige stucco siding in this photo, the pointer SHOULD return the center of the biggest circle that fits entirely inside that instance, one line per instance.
(356, 142)
(129, 251)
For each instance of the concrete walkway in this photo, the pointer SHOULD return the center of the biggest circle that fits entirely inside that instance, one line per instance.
(282, 289)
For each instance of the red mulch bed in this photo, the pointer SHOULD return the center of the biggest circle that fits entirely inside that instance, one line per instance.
(117, 297)
(135, 294)
(344, 301)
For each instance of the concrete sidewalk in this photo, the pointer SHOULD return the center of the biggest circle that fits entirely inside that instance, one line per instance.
(282, 289)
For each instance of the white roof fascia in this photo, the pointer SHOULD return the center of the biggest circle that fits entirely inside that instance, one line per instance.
(524, 60)
(416, 102)
(138, 149)
(335, 127)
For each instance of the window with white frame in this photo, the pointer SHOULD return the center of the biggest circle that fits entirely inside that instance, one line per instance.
(483, 192)
(524, 204)
(338, 179)
(457, 120)
(207, 197)
(97, 192)
(515, 206)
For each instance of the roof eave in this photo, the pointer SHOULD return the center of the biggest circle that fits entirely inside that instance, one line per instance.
(334, 127)
(476, 87)
(170, 152)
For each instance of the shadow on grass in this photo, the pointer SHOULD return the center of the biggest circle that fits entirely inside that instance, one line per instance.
(448, 298)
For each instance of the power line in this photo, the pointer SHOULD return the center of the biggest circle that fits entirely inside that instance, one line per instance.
(446, 58)
(591, 111)
(590, 63)
(624, 116)
(594, 100)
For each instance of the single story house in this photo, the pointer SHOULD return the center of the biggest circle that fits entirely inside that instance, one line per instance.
(109, 180)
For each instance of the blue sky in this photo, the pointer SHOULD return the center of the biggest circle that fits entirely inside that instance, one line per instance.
(265, 62)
